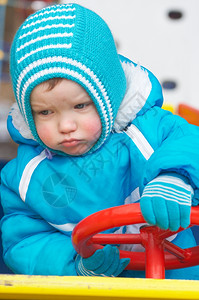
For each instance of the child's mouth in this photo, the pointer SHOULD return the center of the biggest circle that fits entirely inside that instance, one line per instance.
(70, 143)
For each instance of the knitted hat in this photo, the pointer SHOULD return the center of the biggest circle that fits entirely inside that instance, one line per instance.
(72, 42)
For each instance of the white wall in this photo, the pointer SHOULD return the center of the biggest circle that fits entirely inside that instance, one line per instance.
(169, 48)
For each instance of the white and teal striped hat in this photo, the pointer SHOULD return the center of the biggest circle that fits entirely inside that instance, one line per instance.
(72, 42)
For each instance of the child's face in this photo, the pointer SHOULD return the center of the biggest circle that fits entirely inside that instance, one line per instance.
(65, 117)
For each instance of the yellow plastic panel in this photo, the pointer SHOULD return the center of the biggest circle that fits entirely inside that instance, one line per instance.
(168, 106)
(57, 288)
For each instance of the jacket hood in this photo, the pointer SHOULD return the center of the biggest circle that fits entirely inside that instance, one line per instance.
(143, 92)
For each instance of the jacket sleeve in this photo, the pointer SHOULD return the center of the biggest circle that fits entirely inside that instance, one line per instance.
(175, 145)
(31, 245)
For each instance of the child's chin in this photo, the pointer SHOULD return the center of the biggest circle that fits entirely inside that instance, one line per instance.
(76, 152)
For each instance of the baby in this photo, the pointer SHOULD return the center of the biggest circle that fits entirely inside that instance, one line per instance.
(91, 135)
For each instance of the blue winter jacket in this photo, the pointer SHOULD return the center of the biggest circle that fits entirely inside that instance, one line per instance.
(45, 195)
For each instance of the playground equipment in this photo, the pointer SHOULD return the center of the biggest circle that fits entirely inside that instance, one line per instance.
(86, 240)
(160, 254)
(189, 113)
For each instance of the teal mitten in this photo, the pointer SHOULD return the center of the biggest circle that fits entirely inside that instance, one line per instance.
(104, 262)
(166, 201)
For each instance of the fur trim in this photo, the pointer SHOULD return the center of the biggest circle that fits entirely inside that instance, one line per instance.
(138, 89)
(19, 123)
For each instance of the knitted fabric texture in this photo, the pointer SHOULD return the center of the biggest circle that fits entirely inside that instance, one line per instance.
(73, 42)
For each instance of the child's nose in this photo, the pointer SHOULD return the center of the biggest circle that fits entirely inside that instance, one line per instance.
(67, 125)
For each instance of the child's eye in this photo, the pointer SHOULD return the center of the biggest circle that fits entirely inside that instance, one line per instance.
(82, 105)
(45, 112)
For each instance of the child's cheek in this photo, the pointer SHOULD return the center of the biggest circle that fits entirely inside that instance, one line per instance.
(45, 134)
(94, 128)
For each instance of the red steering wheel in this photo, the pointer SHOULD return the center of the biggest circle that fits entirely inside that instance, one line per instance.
(160, 254)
